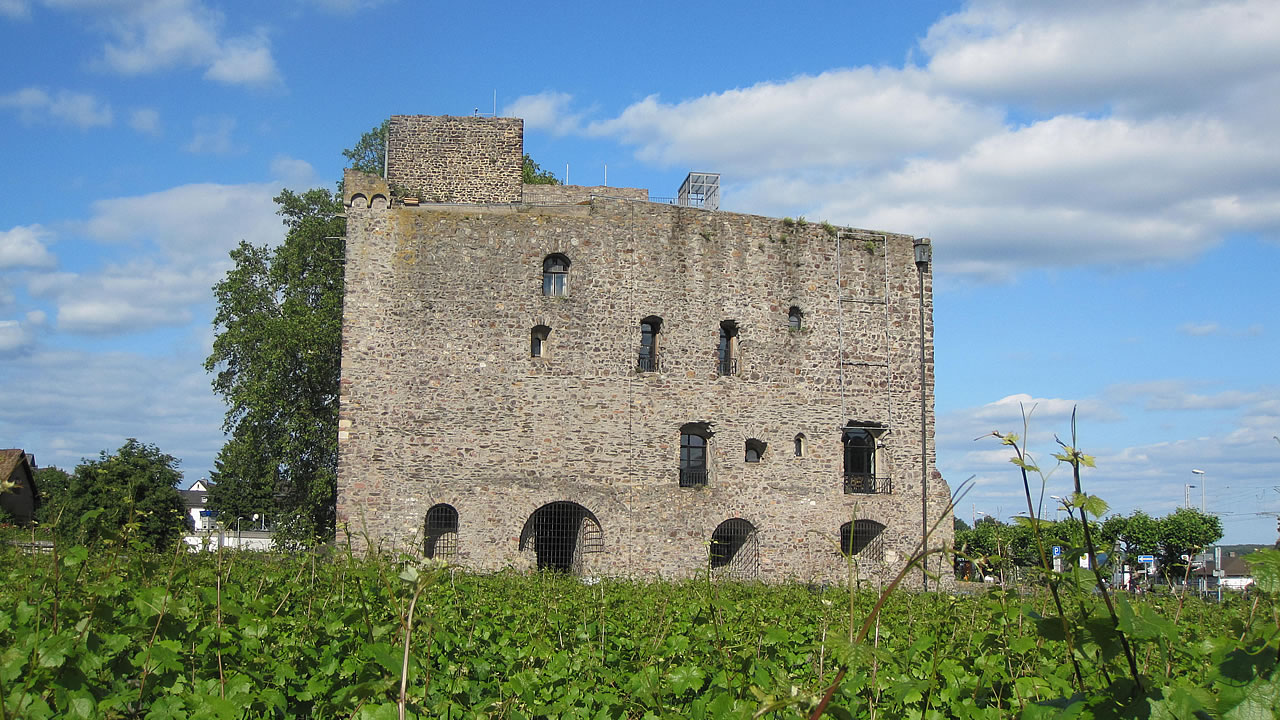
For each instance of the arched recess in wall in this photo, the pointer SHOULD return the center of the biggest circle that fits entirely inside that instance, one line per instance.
(440, 532)
(864, 539)
(379, 202)
(735, 549)
(560, 535)
(359, 201)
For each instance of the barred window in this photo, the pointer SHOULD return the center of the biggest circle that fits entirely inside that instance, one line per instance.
(735, 549)
(441, 532)
(693, 454)
(862, 538)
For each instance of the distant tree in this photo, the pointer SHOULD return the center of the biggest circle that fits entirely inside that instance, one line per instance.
(1185, 531)
(532, 174)
(52, 483)
(133, 489)
(959, 525)
(370, 152)
(1135, 534)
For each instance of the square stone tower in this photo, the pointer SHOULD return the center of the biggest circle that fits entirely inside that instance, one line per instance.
(581, 379)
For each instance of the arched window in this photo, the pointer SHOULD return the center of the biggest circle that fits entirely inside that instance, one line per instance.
(538, 340)
(735, 550)
(440, 532)
(693, 454)
(755, 450)
(555, 275)
(650, 330)
(799, 445)
(728, 353)
(795, 319)
(561, 535)
(860, 460)
(862, 538)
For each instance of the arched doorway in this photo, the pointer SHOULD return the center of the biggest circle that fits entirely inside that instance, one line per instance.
(560, 535)
(440, 532)
(735, 550)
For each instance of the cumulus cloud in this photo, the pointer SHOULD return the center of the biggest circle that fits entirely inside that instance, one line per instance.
(549, 111)
(293, 172)
(13, 336)
(184, 232)
(145, 121)
(1024, 139)
(14, 8)
(24, 246)
(36, 105)
(93, 401)
(212, 135)
(1133, 57)
(147, 36)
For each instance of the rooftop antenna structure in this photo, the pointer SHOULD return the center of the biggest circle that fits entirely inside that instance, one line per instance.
(700, 189)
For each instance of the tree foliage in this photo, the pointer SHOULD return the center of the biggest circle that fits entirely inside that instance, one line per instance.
(1186, 531)
(276, 359)
(53, 484)
(532, 174)
(370, 153)
(132, 490)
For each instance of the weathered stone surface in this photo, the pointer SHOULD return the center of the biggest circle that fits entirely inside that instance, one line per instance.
(442, 403)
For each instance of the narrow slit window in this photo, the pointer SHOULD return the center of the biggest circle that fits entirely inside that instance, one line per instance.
(728, 350)
(650, 330)
(799, 445)
(538, 341)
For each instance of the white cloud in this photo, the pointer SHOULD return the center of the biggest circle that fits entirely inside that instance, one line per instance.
(24, 246)
(147, 36)
(184, 232)
(90, 402)
(1200, 329)
(1134, 56)
(852, 120)
(15, 8)
(35, 105)
(547, 111)
(294, 173)
(13, 336)
(145, 120)
(190, 225)
(344, 6)
(212, 136)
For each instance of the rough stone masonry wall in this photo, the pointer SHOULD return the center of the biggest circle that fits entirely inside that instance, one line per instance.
(442, 403)
(451, 159)
(565, 194)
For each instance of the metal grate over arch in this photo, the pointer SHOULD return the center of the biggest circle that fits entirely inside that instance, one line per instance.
(440, 532)
(560, 536)
(735, 549)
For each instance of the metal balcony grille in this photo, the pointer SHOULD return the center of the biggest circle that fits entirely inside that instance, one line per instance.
(648, 363)
(692, 478)
(728, 366)
(864, 484)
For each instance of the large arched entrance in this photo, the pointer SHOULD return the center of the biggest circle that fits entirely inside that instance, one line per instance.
(735, 550)
(560, 536)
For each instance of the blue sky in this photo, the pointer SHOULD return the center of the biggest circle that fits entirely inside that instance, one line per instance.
(1101, 182)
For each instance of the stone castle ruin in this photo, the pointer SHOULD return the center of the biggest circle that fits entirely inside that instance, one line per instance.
(581, 378)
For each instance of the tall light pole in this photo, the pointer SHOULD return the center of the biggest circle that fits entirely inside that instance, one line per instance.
(1200, 472)
(1186, 495)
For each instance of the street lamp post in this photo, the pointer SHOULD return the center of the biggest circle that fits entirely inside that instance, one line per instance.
(1200, 472)
(1186, 495)
(238, 532)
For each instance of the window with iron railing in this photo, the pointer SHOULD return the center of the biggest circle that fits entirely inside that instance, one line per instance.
(693, 455)
(866, 484)
(727, 352)
(650, 330)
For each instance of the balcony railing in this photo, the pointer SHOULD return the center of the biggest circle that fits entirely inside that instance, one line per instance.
(692, 477)
(648, 363)
(864, 484)
(728, 366)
